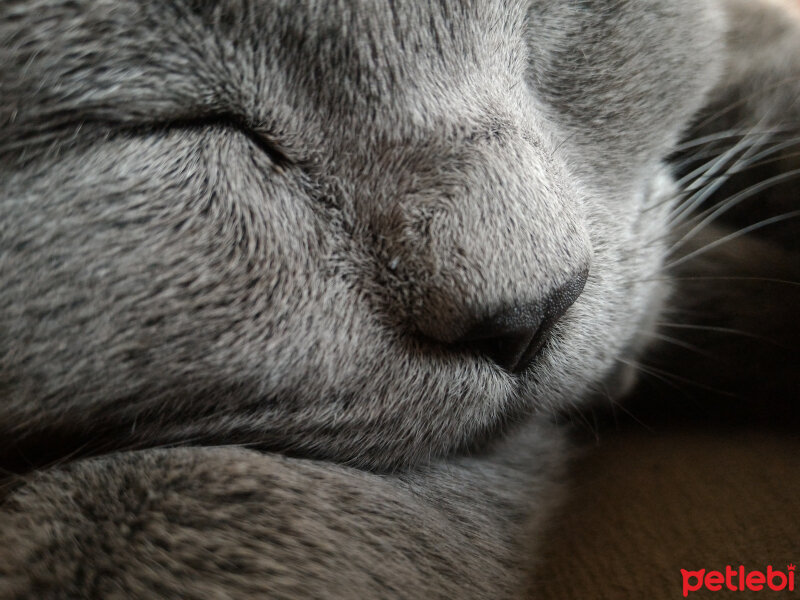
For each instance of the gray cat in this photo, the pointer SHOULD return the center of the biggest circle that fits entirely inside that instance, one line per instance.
(289, 289)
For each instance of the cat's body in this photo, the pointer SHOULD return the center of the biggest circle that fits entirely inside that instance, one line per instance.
(270, 225)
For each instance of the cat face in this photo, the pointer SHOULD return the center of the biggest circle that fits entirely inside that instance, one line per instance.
(278, 222)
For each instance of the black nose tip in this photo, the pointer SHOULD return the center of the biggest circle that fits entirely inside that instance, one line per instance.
(513, 337)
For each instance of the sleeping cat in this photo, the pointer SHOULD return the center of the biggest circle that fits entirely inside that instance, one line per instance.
(290, 289)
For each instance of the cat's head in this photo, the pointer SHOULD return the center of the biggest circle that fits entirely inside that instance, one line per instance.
(332, 228)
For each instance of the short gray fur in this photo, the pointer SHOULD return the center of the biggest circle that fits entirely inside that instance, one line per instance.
(230, 231)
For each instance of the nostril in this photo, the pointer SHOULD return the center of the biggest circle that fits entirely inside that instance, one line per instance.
(513, 337)
(506, 335)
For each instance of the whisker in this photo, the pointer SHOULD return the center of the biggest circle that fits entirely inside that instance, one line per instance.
(646, 370)
(717, 329)
(726, 135)
(755, 161)
(677, 342)
(723, 206)
(616, 404)
(748, 140)
(714, 278)
(733, 105)
(704, 180)
(777, 147)
(655, 372)
(707, 186)
(728, 238)
(577, 413)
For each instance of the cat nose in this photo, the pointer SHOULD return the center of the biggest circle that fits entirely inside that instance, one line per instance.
(513, 337)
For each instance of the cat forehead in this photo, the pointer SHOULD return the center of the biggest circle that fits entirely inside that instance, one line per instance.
(302, 68)
(371, 49)
(351, 40)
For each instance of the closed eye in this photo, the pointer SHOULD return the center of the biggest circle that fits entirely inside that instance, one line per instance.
(263, 141)
(66, 133)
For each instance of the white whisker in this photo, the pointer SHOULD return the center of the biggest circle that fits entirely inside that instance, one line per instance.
(725, 206)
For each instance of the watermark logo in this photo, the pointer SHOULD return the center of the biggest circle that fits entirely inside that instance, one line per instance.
(738, 580)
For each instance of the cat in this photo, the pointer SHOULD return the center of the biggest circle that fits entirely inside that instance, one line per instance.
(291, 290)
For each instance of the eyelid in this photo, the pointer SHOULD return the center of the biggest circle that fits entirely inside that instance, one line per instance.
(258, 135)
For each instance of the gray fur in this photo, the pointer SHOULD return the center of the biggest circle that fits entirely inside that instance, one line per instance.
(201, 523)
(246, 222)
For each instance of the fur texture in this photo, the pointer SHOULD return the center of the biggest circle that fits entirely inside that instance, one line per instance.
(265, 224)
